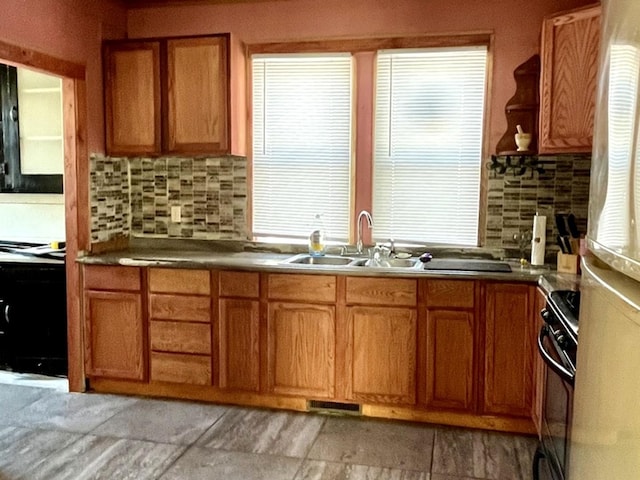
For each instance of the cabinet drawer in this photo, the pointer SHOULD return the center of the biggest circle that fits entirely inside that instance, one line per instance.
(239, 284)
(448, 293)
(307, 288)
(180, 368)
(382, 291)
(174, 280)
(106, 277)
(181, 337)
(180, 307)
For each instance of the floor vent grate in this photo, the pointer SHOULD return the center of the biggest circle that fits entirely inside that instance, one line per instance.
(334, 408)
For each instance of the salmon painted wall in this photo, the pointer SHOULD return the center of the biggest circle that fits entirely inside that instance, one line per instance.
(515, 23)
(70, 30)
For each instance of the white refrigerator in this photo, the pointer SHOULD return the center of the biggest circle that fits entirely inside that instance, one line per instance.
(605, 432)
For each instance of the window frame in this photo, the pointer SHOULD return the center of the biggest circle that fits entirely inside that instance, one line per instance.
(364, 51)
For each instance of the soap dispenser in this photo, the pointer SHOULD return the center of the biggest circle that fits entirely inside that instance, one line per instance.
(317, 245)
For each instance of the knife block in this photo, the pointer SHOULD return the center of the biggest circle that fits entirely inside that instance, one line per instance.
(568, 263)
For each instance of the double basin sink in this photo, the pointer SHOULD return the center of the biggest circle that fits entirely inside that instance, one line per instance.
(336, 260)
(449, 264)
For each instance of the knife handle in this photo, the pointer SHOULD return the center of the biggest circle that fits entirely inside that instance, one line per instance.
(573, 227)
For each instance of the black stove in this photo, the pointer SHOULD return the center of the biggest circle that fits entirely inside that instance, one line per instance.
(557, 345)
(33, 311)
(565, 306)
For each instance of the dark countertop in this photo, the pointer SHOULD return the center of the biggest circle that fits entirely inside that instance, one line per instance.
(275, 262)
(551, 281)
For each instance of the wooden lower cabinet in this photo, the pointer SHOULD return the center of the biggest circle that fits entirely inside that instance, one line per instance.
(301, 349)
(381, 354)
(453, 351)
(114, 322)
(447, 341)
(180, 326)
(239, 344)
(449, 375)
(509, 352)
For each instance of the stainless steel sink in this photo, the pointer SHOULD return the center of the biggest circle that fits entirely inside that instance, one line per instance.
(391, 263)
(306, 259)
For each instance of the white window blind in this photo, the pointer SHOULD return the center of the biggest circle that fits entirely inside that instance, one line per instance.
(301, 144)
(428, 144)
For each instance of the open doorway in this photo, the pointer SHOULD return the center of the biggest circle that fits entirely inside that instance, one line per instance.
(75, 174)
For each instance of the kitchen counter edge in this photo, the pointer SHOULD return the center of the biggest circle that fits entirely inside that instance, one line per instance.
(274, 263)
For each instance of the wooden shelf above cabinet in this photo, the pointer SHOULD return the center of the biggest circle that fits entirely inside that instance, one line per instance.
(522, 108)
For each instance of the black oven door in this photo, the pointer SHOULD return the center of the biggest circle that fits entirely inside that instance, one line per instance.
(559, 356)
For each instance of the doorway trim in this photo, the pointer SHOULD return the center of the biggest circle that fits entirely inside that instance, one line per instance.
(76, 185)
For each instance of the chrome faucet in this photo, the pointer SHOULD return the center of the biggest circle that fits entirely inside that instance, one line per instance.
(367, 216)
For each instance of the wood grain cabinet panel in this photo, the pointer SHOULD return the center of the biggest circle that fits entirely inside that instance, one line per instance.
(179, 281)
(570, 48)
(180, 368)
(132, 97)
(239, 336)
(197, 94)
(450, 359)
(239, 284)
(180, 337)
(180, 307)
(301, 349)
(107, 277)
(509, 350)
(381, 354)
(381, 291)
(449, 293)
(302, 288)
(114, 334)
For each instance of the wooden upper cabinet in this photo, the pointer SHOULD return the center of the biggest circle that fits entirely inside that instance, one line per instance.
(570, 46)
(196, 85)
(509, 349)
(197, 95)
(132, 97)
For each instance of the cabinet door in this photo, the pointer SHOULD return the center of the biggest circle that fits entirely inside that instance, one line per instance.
(446, 348)
(381, 355)
(570, 45)
(132, 97)
(197, 95)
(114, 334)
(301, 349)
(449, 345)
(239, 327)
(509, 349)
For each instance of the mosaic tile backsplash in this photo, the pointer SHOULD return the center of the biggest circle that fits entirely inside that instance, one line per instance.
(513, 201)
(109, 195)
(211, 194)
(134, 197)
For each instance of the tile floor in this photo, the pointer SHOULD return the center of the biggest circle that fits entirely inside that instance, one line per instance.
(50, 434)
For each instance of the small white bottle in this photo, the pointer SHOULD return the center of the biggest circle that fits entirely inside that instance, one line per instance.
(317, 246)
